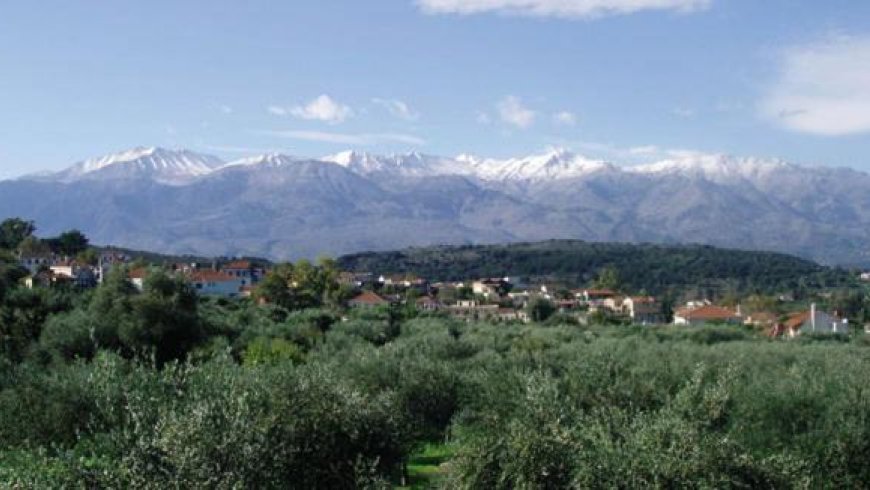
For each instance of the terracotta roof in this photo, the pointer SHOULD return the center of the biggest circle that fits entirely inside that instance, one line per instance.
(139, 273)
(642, 299)
(211, 276)
(708, 312)
(369, 298)
(795, 320)
(239, 264)
(426, 300)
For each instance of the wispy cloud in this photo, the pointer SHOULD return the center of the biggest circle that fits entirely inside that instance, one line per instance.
(822, 88)
(513, 112)
(565, 118)
(397, 108)
(226, 109)
(359, 139)
(571, 9)
(323, 108)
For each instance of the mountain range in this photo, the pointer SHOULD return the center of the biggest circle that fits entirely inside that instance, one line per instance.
(281, 206)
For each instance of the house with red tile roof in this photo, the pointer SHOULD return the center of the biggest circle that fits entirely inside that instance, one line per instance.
(812, 321)
(599, 298)
(137, 277)
(643, 310)
(207, 282)
(245, 270)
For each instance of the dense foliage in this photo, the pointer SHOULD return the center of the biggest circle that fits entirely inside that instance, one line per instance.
(262, 397)
(651, 268)
(158, 388)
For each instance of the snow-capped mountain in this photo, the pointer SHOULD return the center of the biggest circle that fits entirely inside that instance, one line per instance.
(412, 164)
(555, 164)
(172, 167)
(273, 160)
(284, 206)
(714, 167)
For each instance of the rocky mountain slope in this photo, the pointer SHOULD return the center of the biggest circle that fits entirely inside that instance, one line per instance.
(285, 207)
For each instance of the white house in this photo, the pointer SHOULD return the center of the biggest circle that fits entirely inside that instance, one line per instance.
(34, 262)
(644, 310)
(83, 276)
(244, 270)
(814, 321)
(489, 287)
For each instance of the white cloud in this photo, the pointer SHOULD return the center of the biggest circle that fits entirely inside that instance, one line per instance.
(364, 139)
(565, 118)
(823, 88)
(513, 112)
(397, 108)
(226, 109)
(323, 108)
(572, 9)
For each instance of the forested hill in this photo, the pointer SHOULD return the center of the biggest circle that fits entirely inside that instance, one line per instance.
(653, 268)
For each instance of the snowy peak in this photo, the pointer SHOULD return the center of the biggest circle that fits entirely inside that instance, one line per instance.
(180, 167)
(166, 166)
(713, 167)
(555, 164)
(411, 164)
(269, 160)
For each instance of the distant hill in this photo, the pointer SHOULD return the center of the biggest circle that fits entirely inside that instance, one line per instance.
(653, 268)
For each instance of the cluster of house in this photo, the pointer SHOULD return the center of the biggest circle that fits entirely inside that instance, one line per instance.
(229, 280)
(494, 299)
(235, 279)
(501, 300)
(50, 269)
(792, 325)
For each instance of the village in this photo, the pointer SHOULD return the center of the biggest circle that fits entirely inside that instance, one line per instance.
(500, 299)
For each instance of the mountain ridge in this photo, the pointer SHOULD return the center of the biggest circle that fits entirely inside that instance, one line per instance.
(284, 206)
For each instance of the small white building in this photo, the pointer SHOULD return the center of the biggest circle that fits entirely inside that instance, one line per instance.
(643, 310)
(83, 276)
(34, 262)
(490, 288)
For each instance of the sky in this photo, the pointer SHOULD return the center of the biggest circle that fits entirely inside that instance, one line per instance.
(625, 80)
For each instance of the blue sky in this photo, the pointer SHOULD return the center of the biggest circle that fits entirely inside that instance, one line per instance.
(620, 79)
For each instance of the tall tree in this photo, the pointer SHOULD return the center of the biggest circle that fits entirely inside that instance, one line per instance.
(13, 231)
(71, 243)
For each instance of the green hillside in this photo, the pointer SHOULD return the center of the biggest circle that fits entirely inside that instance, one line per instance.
(653, 268)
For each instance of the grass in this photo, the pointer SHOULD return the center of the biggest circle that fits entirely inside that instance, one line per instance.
(425, 466)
